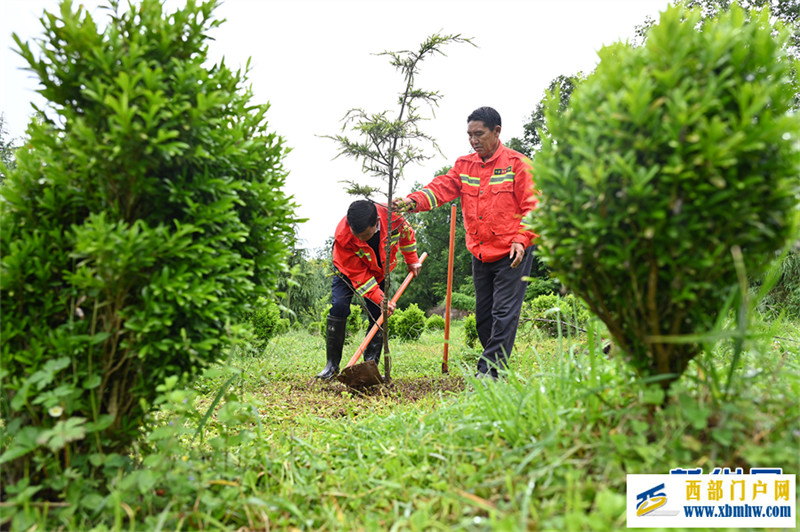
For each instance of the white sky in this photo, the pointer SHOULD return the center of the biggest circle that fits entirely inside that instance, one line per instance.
(313, 60)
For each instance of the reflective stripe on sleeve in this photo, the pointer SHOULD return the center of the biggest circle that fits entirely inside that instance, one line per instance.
(431, 197)
(366, 287)
(364, 254)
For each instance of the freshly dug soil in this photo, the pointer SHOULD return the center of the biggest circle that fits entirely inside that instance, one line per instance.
(332, 399)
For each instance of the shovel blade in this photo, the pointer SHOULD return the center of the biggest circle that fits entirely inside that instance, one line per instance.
(361, 375)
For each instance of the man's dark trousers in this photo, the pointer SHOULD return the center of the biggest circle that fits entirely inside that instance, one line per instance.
(342, 293)
(499, 293)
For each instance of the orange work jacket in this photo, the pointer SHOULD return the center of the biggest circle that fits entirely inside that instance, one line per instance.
(356, 259)
(495, 197)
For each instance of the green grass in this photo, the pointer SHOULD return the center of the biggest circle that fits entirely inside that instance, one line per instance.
(260, 444)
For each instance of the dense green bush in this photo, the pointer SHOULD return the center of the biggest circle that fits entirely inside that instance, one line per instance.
(462, 301)
(144, 215)
(784, 297)
(265, 320)
(407, 324)
(470, 330)
(434, 323)
(391, 323)
(555, 314)
(672, 162)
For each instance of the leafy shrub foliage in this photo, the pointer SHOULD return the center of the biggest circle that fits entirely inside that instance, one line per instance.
(670, 159)
(434, 323)
(556, 315)
(784, 297)
(266, 320)
(470, 330)
(462, 301)
(407, 324)
(143, 216)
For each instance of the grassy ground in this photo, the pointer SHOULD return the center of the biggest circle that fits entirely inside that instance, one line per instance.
(259, 444)
(546, 449)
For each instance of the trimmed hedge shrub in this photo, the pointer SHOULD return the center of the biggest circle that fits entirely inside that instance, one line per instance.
(266, 320)
(672, 161)
(408, 324)
(434, 323)
(144, 215)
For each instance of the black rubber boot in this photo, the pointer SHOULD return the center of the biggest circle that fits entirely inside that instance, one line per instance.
(374, 348)
(334, 342)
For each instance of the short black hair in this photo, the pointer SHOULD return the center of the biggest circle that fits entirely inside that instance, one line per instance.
(487, 115)
(360, 215)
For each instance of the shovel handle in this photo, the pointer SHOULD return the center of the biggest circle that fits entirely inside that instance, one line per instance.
(379, 321)
(448, 297)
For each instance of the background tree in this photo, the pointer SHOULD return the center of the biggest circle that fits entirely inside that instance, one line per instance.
(656, 150)
(390, 143)
(144, 215)
(304, 287)
(536, 127)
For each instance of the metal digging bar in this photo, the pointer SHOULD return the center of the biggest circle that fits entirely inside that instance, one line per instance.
(367, 374)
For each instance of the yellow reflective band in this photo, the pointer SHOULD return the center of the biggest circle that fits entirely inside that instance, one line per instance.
(408, 248)
(366, 287)
(500, 179)
(364, 254)
(431, 197)
(470, 181)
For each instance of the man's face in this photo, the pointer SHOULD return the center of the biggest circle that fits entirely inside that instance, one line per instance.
(482, 139)
(368, 233)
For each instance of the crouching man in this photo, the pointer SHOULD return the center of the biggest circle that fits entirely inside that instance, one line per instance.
(359, 253)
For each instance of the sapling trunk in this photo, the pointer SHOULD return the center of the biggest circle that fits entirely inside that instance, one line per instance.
(387, 357)
(390, 147)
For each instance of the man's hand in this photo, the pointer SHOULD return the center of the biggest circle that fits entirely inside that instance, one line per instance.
(517, 254)
(403, 205)
(391, 306)
(415, 268)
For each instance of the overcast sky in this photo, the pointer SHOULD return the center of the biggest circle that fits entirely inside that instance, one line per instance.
(313, 60)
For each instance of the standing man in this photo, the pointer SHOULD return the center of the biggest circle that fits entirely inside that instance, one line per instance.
(359, 253)
(496, 190)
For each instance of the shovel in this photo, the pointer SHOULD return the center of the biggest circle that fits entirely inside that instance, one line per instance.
(367, 374)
